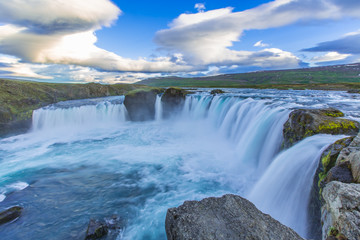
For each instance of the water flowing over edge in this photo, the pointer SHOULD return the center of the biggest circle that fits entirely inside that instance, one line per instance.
(253, 127)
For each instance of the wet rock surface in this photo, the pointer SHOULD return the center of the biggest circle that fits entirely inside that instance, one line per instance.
(173, 100)
(140, 104)
(10, 214)
(109, 227)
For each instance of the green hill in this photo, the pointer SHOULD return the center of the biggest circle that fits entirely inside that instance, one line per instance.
(346, 76)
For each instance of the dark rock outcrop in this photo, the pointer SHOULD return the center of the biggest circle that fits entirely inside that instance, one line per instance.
(96, 230)
(227, 217)
(173, 100)
(341, 173)
(108, 227)
(303, 123)
(216, 91)
(10, 214)
(140, 104)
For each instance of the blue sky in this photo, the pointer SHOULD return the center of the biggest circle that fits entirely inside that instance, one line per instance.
(126, 41)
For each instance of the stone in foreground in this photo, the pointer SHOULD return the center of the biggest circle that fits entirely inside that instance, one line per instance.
(341, 209)
(10, 214)
(227, 217)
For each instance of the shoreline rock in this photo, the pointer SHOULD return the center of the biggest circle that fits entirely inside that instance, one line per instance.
(226, 217)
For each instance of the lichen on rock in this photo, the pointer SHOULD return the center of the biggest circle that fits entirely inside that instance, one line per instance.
(303, 123)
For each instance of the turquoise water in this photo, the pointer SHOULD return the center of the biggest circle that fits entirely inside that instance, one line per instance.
(83, 160)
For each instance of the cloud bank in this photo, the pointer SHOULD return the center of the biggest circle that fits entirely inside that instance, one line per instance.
(62, 32)
(207, 37)
(348, 44)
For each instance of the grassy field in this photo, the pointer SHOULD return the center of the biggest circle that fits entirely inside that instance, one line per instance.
(345, 76)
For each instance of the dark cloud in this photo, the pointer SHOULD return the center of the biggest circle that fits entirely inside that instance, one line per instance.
(346, 45)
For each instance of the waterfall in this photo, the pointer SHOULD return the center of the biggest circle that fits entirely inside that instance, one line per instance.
(213, 145)
(158, 108)
(73, 116)
(253, 126)
(284, 189)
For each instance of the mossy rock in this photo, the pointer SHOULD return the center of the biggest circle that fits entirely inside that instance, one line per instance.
(216, 91)
(173, 100)
(327, 161)
(303, 123)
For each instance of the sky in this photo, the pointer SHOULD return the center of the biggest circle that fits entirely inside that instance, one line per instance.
(117, 41)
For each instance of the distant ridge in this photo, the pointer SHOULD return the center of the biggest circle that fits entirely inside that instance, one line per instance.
(347, 73)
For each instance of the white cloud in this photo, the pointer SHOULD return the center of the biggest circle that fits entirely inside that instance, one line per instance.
(331, 56)
(261, 44)
(62, 32)
(207, 37)
(200, 7)
(12, 67)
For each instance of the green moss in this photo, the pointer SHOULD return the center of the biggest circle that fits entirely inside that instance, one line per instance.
(333, 125)
(322, 175)
(144, 89)
(333, 232)
(326, 162)
(332, 114)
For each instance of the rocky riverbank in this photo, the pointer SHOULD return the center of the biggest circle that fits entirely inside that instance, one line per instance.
(18, 99)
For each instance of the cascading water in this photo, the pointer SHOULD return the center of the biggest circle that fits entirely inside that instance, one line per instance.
(158, 108)
(83, 160)
(78, 116)
(287, 182)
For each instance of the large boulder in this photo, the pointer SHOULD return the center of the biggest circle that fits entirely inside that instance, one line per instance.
(10, 214)
(227, 217)
(140, 104)
(341, 210)
(173, 101)
(303, 123)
